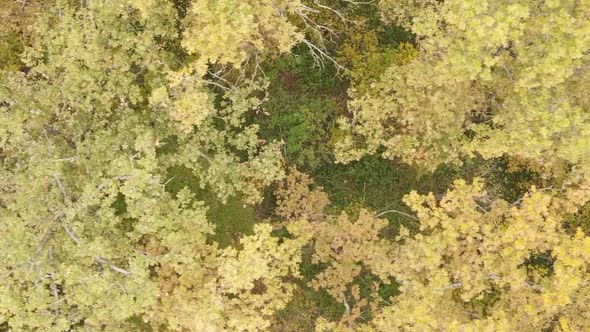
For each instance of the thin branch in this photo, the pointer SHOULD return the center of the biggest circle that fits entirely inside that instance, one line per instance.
(113, 267)
(481, 208)
(47, 234)
(224, 88)
(346, 305)
(454, 285)
(306, 8)
(315, 27)
(120, 270)
(205, 156)
(398, 212)
(243, 70)
(53, 285)
(168, 181)
(342, 17)
(221, 78)
(527, 283)
(518, 201)
(508, 72)
(66, 200)
(321, 54)
(98, 258)
(64, 159)
(258, 68)
(72, 235)
(359, 2)
(61, 187)
(49, 146)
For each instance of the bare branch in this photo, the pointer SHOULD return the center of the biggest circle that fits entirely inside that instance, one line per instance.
(359, 2)
(221, 78)
(481, 207)
(205, 156)
(61, 187)
(224, 88)
(49, 146)
(168, 181)
(71, 234)
(398, 212)
(315, 27)
(98, 258)
(319, 54)
(342, 17)
(120, 270)
(64, 159)
(346, 305)
(508, 72)
(53, 286)
(113, 267)
(527, 283)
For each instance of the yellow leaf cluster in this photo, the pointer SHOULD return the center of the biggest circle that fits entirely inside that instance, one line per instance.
(230, 31)
(491, 78)
(474, 267)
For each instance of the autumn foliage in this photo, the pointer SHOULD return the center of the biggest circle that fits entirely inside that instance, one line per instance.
(306, 165)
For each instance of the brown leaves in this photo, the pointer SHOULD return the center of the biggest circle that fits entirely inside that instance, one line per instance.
(296, 199)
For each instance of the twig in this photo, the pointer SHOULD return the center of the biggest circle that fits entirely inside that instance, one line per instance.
(168, 181)
(64, 159)
(224, 88)
(53, 286)
(71, 234)
(344, 19)
(359, 2)
(346, 305)
(322, 54)
(113, 267)
(398, 212)
(61, 187)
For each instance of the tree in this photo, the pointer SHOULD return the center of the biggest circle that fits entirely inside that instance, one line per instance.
(347, 247)
(474, 262)
(111, 100)
(232, 31)
(228, 289)
(297, 200)
(17, 29)
(470, 267)
(499, 267)
(91, 238)
(490, 79)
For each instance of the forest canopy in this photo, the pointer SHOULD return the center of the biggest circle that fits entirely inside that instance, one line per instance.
(294, 165)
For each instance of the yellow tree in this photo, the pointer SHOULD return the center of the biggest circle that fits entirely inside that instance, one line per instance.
(90, 237)
(348, 247)
(470, 267)
(17, 29)
(491, 78)
(498, 267)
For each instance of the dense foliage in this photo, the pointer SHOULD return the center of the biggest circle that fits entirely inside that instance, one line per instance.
(490, 79)
(246, 165)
